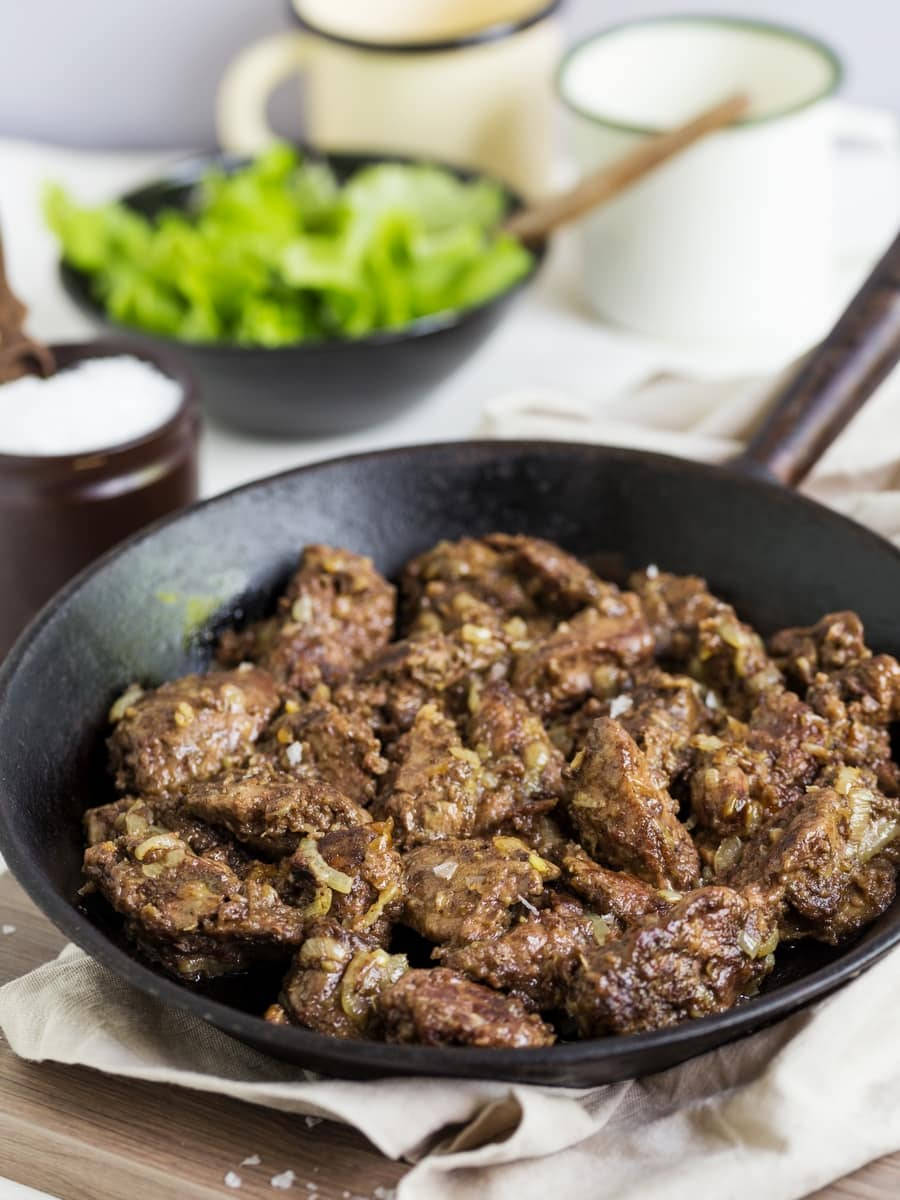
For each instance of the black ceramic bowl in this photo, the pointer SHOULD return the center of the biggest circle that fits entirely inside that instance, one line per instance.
(312, 388)
(618, 508)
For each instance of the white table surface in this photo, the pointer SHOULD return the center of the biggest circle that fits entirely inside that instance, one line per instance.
(550, 339)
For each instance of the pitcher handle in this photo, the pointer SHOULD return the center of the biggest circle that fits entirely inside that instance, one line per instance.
(242, 121)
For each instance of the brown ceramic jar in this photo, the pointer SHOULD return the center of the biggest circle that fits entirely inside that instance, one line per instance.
(59, 512)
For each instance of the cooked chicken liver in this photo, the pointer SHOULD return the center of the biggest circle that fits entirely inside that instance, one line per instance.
(502, 802)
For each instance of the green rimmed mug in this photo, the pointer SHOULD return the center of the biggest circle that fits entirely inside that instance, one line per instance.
(732, 241)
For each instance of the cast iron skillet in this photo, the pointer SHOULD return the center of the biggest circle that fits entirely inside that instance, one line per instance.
(781, 558)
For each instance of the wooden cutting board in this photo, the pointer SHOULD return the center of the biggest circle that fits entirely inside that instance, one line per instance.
(80, 1135)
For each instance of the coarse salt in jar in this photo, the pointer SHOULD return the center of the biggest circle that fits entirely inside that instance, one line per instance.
(87, 456)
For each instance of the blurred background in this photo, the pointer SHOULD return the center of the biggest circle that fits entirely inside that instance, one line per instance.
(334, 303)
(145, 75)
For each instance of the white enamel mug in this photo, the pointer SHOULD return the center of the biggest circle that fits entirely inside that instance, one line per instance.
(731, 240)
(468, 81)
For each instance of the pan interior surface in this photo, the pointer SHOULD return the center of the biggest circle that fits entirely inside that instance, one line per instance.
(150, 611)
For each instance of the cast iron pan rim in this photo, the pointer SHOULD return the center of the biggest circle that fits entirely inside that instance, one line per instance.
(186, 172)
(378, 1057)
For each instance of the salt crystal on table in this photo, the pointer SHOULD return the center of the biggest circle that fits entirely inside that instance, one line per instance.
(284, 1180)
(311, 1121)
(252, 1160)
(7, 929)
(95, 405)
(232, 1179)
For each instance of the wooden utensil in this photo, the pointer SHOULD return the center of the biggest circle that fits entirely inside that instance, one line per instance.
(833, 382)
(594, 190)
(19, 353)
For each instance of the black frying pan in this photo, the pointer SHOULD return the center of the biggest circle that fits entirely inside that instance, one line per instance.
(779, 557)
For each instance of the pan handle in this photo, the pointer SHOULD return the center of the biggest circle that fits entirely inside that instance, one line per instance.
(833, 383)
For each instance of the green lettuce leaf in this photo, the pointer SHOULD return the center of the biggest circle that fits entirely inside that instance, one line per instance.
(279, 252)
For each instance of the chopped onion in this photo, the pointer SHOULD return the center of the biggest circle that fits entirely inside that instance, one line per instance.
(707, 741)
(527, 904)
(326, 953)
(755, 947)
(600, 926)
(515, 629)
(464, 600)
(385, 896)
(320, 905)
(583, 800)
(475, 634)
(509, 845)
(133, 692)
(535, 756)
(302, 609)
(156, 867)
(860, 813)
(769, 945)
(446, 870)
(727, 854)
(541, 865)
(465, 755)
(879, 834)
(136, 819)
(732, 634)
(814, 749)
(357, 991)
(308, 855)
(845, 780)
(159, 841)
(748, 943)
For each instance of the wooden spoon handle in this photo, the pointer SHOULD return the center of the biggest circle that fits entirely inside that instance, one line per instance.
(595, 189)
(19, 353)
(834, 382)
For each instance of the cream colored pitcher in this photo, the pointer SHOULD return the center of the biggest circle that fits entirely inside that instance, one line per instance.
(466, 81)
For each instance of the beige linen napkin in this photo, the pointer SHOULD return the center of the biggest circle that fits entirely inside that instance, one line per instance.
(777, 1114)
(709, 419)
